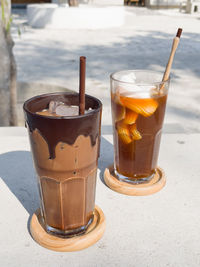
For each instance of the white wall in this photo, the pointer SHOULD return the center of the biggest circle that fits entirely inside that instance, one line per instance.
(163, 2)
(107, 2)
(95, 2)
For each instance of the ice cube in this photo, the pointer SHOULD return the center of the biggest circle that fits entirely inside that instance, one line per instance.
(53, 105)
(129, 78)
(64, 110)
(131, 88)
(88, 111)
(135, 91)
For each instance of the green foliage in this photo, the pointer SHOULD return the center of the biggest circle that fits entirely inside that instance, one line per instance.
(8, 26)
(6, 22)
(2, 11)
(19, 31)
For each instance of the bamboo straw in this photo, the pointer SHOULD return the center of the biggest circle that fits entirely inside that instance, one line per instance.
(171, 57)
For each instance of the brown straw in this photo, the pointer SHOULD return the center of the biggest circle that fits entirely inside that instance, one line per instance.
(82, 86)
(171, 57)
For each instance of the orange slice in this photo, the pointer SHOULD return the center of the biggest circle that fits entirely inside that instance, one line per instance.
(143, 106)
(130, 117)
(119, 113)
(135, 134)
(123, 132)
(112, 96)
(115, 97)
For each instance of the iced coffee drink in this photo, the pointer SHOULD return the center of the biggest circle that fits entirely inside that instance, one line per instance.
(65, 149)
(138, 100)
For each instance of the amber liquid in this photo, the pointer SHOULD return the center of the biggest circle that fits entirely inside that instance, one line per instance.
(137, 130)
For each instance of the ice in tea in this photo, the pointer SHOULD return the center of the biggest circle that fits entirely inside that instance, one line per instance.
(138, 113)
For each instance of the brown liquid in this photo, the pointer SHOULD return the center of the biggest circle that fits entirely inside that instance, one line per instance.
(136, 151)
(45, 112)
(66, 170)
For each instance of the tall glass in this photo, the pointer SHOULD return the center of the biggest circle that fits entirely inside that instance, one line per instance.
(65, 152)
(138, 100)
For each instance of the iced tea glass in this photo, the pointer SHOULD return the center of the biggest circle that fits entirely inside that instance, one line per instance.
(138, 100)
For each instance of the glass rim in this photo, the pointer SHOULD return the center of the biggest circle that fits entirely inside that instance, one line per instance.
(139, 84)
(26, 109)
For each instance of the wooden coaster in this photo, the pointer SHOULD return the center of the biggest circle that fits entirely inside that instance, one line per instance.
(154, 185)
(94, 232)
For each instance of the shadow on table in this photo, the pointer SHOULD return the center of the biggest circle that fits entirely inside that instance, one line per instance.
(16, 170)
(106, 156)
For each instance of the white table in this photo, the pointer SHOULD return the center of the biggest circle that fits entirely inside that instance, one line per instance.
(158, 230)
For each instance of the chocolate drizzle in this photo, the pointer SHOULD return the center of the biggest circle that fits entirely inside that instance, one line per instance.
(63, 129)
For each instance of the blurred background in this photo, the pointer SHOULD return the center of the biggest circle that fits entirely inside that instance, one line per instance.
(49, 37)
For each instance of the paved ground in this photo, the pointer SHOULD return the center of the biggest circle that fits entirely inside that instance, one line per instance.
(144, 41)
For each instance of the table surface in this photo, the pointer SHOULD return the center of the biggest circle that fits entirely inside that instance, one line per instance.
(157, 230)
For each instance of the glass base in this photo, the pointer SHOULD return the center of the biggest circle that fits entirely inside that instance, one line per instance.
(67, 233)
(132, 180)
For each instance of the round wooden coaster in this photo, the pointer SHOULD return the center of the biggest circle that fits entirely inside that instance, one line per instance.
(94, 232)
(154, 185)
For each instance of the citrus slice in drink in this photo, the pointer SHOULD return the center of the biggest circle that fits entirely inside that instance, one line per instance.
(116, 96)
(144, 106)
(130, 117)
(123, 132)
(119, 112)
(135, 134)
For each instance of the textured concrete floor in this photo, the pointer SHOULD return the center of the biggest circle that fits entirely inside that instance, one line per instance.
(160, 230)
(143, 42)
